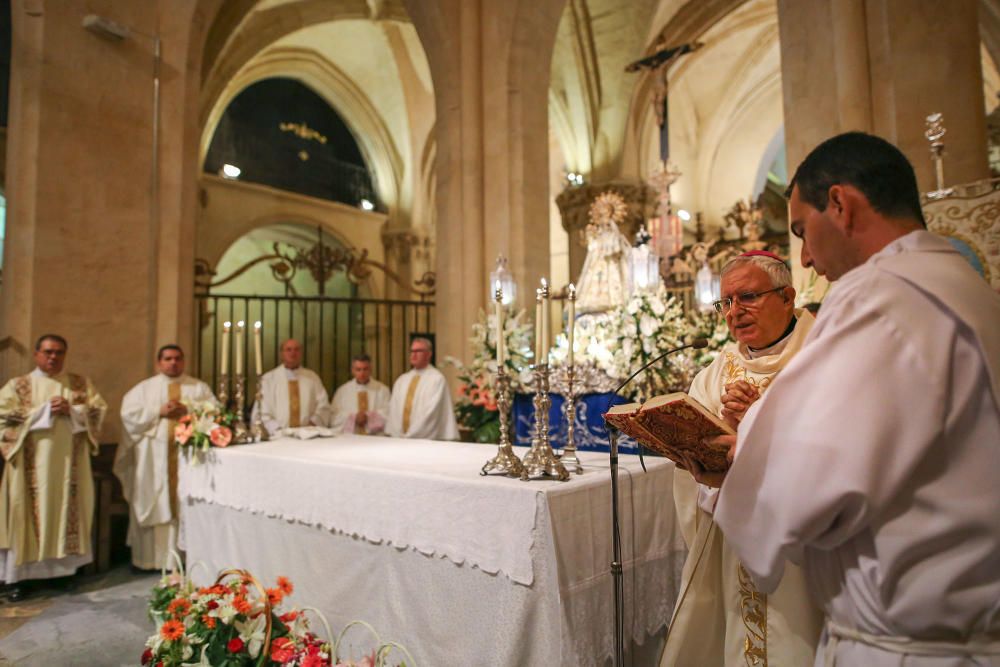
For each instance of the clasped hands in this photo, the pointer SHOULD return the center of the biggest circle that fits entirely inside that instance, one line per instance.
(738, 397)
(173, 410)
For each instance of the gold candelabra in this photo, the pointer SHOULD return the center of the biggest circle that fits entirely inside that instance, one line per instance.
(258, 433)
(240, 433)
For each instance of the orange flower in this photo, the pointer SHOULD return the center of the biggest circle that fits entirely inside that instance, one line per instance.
(285, 584)
(179, 608)
(183, 433)
(241, 605)
(172, 630)
(221, 436)
(209, 621)
(186, 419)
(274, 596)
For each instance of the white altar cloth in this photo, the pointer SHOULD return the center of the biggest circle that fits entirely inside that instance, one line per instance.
(462, 569)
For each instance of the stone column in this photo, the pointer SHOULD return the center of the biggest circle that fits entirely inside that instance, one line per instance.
(490, 65)
(882, 66)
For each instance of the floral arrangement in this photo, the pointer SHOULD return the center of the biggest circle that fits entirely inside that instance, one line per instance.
(227, 625)
(204, 426)
(476, 409)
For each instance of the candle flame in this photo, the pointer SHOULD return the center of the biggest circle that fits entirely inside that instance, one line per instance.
(545, 283)
(227, 324)
(572, 291)
(240, 324)
(256, 325)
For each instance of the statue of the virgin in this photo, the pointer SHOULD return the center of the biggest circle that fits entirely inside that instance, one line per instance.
(606, 279)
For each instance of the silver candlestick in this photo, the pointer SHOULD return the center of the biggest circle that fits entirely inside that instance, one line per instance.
(257, 431)
(935, 133)
(240, 433)
(506, 461)
(541, 461)
(569, 457)
(223, 392)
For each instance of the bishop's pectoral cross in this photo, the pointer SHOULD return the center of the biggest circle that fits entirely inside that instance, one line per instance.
(660, 62)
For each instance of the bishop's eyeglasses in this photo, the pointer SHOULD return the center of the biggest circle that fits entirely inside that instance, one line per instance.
(745, 299)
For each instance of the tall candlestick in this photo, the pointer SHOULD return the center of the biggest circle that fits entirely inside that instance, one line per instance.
(538, 326)
(256, 347)
(238, 362)
(498, 310)
(224, 364)
(546, 318)
(571, 319)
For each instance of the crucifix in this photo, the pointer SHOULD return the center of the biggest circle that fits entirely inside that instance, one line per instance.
(659, 63)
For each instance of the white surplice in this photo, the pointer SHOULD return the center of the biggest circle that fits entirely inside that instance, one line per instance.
(873, 461)
(314, 402)
(720, 618)
(344, 406)
(431, 415)
(141, 463)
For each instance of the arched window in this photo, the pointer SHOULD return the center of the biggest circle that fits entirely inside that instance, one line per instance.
(278, 132)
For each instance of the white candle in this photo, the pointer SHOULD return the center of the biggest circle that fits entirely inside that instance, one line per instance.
(256, 347)
(571, 319)
(546, 318)
(224, 364)
(538, 326)
(498, 311)
(238, 363)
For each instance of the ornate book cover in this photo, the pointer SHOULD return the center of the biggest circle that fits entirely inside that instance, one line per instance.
(674, 423)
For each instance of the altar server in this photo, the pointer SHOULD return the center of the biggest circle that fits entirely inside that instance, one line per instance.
(873, 459)
(292, 395)
(361, 405)
(146, 460)
(51, 422)
(720, 617)
(421, 403)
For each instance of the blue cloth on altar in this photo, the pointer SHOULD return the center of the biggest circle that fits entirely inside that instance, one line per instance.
(590, 432)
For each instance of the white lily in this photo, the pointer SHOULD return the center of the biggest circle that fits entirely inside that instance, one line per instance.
(253, 633)
(202, 662)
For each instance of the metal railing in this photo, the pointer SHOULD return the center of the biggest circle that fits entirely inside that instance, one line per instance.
(331, 330)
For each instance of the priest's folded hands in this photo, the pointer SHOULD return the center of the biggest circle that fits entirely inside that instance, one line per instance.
(713, 479)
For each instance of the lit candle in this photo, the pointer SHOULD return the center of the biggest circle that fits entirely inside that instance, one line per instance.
(498, 310)
(256, 347)
(224, 364)
(546, 318)
(538, 326)
(571, 319)
(238, 363)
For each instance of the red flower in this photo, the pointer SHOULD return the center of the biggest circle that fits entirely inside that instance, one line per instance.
(172, 630)
(212, 604)
(274, 596)
(290, 616)
(147, 656)
(235, 645)
(282, 650)
(285, 584)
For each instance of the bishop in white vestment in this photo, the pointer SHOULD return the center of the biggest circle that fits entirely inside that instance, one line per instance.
(721, 618)
(147, 457)
(292, 396)
(51, 420)
(872, 461)
(421, 404)
(360, 406)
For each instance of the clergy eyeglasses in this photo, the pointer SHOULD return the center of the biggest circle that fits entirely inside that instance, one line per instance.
(745, 299)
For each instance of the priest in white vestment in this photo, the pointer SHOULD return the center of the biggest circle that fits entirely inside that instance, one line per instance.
(293, 396)
(421, 404)
(51, 420)
(361, 405)
(720, 618)
(872, 461)
(147, 457)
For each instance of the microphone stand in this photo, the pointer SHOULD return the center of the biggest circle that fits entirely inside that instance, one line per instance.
(617, 573)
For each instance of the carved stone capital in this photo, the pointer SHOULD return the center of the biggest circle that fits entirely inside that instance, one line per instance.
(399, 244)
(574, 204)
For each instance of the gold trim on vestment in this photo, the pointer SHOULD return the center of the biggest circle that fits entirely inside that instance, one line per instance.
(753, 609)
(411, 391)
(734, 370)
(173, 394)
(294, 404)
(72, 541)
(362, 409)
(31, 478)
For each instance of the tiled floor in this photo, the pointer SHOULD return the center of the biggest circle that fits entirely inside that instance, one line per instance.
(103, 623)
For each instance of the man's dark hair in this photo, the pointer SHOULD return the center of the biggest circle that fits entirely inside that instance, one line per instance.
(871, 164)
(56, 337)
(361, 357)
(171, 346)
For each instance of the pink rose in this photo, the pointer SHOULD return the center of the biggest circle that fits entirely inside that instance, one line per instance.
(221, 436)
(183, 433)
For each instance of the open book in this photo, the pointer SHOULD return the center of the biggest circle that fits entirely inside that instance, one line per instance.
(673, 423)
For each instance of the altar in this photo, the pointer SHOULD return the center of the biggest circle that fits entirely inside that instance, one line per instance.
(461, 569)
